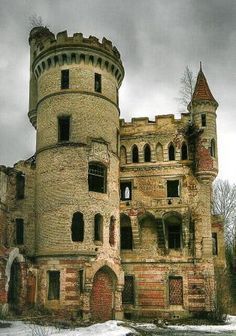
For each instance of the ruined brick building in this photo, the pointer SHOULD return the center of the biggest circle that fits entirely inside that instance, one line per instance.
(109, 218)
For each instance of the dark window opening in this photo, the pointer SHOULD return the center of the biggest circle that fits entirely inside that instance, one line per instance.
(20, 186)
(135, 156)
(19, 231)
(125, 191)
(63, 128)
(171, 152)
(98, 227)
(184, 151)
(128, 292)
(81, 280)
(65, 79)
(97, 177)
(147, 153)
(175, 290)
(173, 188)
(126, 238)
(97, 82)
(203, 119)
(214, 244)
(213, 148)
(112, 231)
(77, 227)
(174, 236)
(53, 285)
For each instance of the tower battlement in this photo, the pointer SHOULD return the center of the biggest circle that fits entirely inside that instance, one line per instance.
(48, 50)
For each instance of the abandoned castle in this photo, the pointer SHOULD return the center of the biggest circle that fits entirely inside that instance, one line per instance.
(109, 219)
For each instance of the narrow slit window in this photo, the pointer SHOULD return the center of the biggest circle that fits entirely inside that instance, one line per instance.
(63, 129)
(20, 186)
(53, 285)
(135, 155)
(147, 153)
(77, 227)
(203, 119)
(98, 228)
(112, 231)
(19, 231)
(214, 244)
(65, 79)
(81, 280)
(171, 152)
(125, 191)
(213, 148)
(184, 151)
(128, 292)
(98, 83)
(174, 237)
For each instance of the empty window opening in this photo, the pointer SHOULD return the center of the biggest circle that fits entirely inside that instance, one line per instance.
(19, 231)
(135, 156)
(126, 236)
(175, 290)
(125, 191)
(123, 158)
(81, 280)
(213, 148)
(77, 227)
(98, 227)
(171, 152)
(97, 177)
(203, 120)
(173, 188)
(174, 236)
(128, 292)
(64, 79)
(159, 151)
(63, 128)
(97, 82)
(53, 285)
(20, 186)
(214, 244)
(184, 151)
(112, 231)
(147, 153)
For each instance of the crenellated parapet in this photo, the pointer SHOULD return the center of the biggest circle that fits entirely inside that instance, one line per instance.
(49, 51)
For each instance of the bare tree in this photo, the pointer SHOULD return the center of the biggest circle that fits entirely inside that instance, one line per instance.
(187, 83)
(35, 21)
(224, 203)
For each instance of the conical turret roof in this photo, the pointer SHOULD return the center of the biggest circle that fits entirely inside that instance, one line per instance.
(202, 92)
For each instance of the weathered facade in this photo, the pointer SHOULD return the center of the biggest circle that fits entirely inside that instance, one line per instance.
(108, 218)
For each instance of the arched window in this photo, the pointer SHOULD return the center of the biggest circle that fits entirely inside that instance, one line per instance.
(126, 236)
(159, 151)
(77, 227)
(112, 231)
(135, 156)
(147, 153)
(97, 177)
(184, 151)
(171, 152)
(98, 227)
(173, 230)
(122, 155)
(213, 148)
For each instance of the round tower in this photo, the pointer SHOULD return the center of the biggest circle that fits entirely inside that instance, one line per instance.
(203, 108)
(74, 108)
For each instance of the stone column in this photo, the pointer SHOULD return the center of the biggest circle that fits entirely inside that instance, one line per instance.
(119, 314)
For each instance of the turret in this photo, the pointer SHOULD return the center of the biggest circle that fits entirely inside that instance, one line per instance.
(203, 108)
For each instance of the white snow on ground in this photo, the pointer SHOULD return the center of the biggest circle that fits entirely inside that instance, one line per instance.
(109, 328)
(229, 326)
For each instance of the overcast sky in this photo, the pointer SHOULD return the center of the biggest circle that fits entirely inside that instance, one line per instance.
(157, 39)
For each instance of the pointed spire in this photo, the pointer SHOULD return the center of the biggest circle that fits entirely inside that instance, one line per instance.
(202, 91)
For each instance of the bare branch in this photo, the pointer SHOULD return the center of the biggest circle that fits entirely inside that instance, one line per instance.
(187, 83)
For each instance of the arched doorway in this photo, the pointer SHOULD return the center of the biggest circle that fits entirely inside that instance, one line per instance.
(102, 295)
(14, 285)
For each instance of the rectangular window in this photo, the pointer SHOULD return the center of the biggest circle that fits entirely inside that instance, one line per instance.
(98, 83)
(203, 119)
(97, 178)
(125, 191)
(20, 186)
(173, 188)
(81, 281)
(175, 291)
(64, 79)
(128, 292)
(53, 285)
(19, 231)
(63, 128)
(174, 236)
(214, 244)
